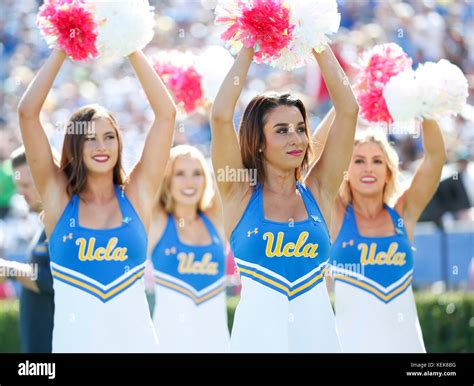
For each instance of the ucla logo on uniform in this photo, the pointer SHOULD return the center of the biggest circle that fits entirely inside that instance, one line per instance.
(370, 256)
(88, 252)
(187, 265)
(290, 249)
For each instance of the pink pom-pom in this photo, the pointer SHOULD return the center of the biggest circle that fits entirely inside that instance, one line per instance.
(261, 24)
(376, 68)
(182, 79)
(373, 106)
(70, 26)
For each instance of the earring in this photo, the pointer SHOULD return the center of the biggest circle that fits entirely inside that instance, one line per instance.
(260, 150)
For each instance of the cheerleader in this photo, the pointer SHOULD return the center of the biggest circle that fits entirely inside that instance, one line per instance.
(372, 256)
(277, 227)
(187, 251)
(96, 220)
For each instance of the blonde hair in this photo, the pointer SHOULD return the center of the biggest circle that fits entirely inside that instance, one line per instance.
(392, 187)
(165, 196)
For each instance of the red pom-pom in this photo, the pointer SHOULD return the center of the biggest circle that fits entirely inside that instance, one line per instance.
(261, 24)
(182, 79)
(70, 26)
(377, 66)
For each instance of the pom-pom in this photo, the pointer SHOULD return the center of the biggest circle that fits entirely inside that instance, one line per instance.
(123, 26)
(373, 106)
(376, 68)
(179, 73)
(313, 21)
(261, 24)
(213, 64)
(433, 91)
(401, 96)
(380, 63)
(443, 89)
(70, 26)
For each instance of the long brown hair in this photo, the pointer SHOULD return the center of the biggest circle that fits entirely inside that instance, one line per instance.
(252, 136)
(78, 127)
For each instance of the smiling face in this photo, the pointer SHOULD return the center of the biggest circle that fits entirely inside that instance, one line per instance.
(92, 144)
(101, 147)
(187, 181)
(286, 140)
(368, 171)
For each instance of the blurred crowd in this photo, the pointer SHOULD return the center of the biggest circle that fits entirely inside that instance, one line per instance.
(427, 30)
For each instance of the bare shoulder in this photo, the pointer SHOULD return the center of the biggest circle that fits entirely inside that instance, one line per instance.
(54, 199)
(324, 200)
(337, 217)
(234, 206)
(217, 222)
(141, 202)
(157, 227)
(400, 208)
(408, 222)
(401, 203)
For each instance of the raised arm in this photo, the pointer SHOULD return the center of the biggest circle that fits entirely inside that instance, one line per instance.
(225, 145)
(215, 211)
(320, 135)
(426, 179)
(326, 175)
(45, 172)
(146, 176)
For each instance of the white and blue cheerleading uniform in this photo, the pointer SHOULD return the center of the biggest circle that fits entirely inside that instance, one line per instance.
(284, 305)
(190, 314)
(375, 307)
(99, 292)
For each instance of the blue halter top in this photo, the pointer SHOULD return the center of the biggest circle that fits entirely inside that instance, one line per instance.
(196, 271)
(382, 266)
(100, 262)
(288, 257)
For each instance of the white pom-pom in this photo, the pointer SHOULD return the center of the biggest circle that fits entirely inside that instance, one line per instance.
(213, 64)
(314, 20)
(124, 25)
(401, 96)
(443, 89)
(227, 11)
